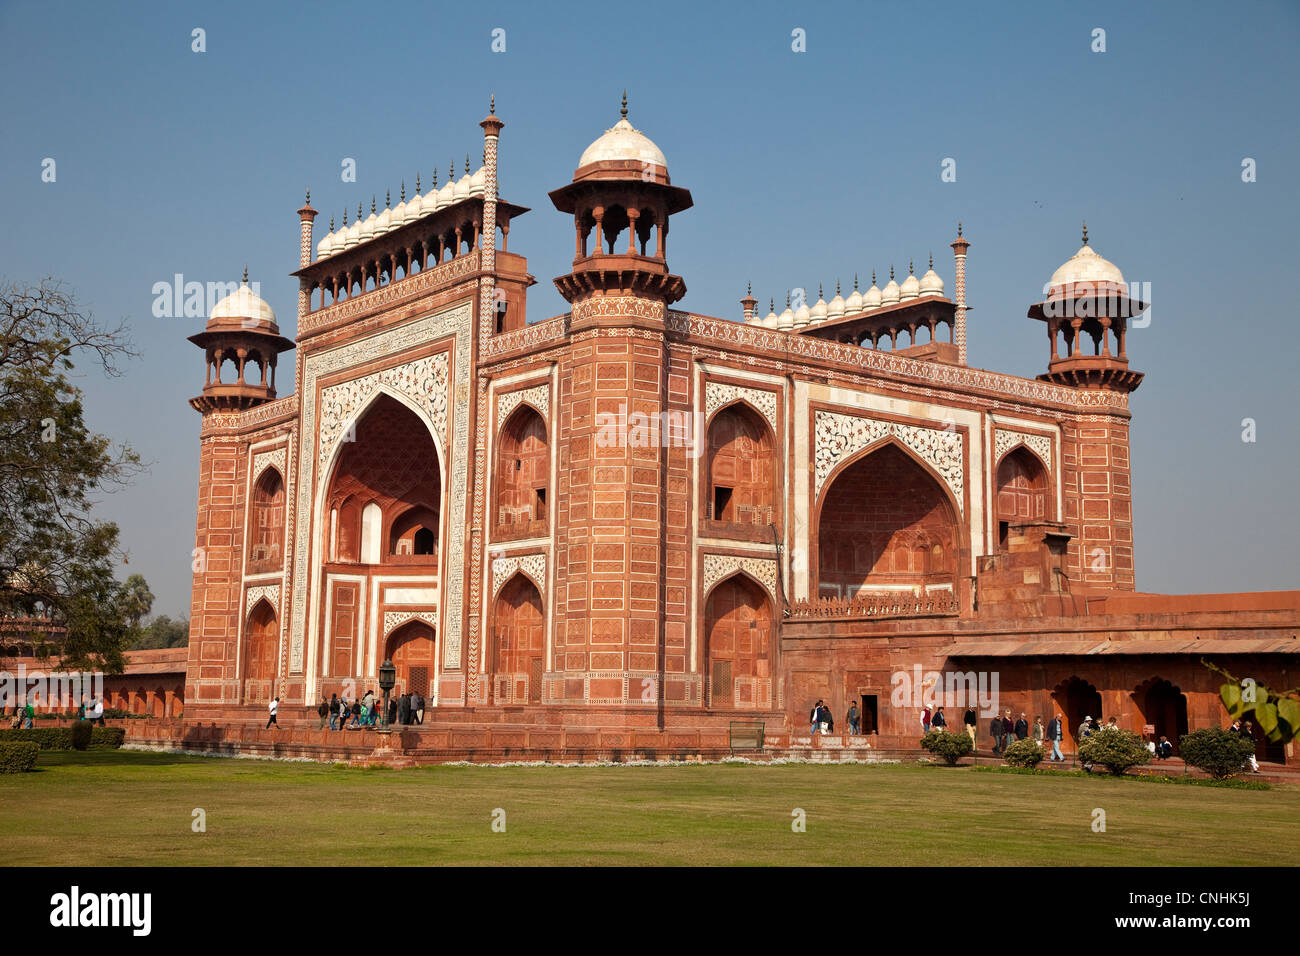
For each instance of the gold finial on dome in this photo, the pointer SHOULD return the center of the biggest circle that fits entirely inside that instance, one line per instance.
(771, 305)
(1085, 232)
(873, 276)
(787, 299)
(623, 111)
(451, 172)
(820, 295)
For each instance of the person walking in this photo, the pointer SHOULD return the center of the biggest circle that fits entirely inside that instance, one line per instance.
(335, 707)
(939, 721)
(925, 720)
(814, 718)
(1037, 731)
(392, 711)
(1164, 749)
(404, 709)
(1056, 733)
(417, 707)
(855, 720)
(29, 713)
(969, 719)
(97, 711)
(995, 729)
(356, 715)
(323, 711)
(81, 710)
(1022, 727)
(273, 707)
(1248, 733)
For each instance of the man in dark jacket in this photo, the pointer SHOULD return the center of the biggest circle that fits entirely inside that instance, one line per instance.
(969, 720)
(1022, 728)
(996, 729)
(1056, 733)
(939, 721)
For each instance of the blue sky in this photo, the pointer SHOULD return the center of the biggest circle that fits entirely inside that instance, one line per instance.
(805, 167)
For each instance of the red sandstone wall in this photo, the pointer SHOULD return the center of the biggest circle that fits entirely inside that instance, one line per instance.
(1098, 502)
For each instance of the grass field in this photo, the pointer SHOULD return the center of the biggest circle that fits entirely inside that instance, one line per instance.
(130, 808)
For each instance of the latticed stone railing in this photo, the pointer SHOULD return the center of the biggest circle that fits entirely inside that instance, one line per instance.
(882, 605)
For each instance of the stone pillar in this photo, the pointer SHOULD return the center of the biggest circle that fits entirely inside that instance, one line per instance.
(1098, 501)
(306, 216)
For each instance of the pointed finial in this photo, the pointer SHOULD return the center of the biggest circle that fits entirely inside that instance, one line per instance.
(837, 286)
(451, 172)
(932, 260)
(345, 217)
(787, 298)
(749, 288)
(492, 104)
(403, 199)
(467, 164)
(911, 270)
(624, 109)
(435, 178)
(360, 212)
(388, 198)
(771, 305)
(855, 282)
(331, 223)
(245, 273)
(873, 276)
(309, 197)
(417, 182)
(1085, 232)
(891, 272)
(958, 228)
(372, 205)
(820, 294)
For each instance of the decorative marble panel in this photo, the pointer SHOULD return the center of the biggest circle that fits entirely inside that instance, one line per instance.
(719, 566)
(533, 565)
(268, 459)
(1040, 445)
(269, 591)
(717, 394)
(539, 397)
(841, 436)
(424, 381)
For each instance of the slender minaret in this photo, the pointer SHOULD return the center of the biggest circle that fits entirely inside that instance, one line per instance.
(959, 247)
(306, 217)
(487, 291)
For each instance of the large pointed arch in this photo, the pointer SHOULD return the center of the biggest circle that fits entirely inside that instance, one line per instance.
(876, 513)
(1022, 490)
(1077, 698)
(521, 473)
(741, 466)
(518, 641)
(739, 644)
(261, 651)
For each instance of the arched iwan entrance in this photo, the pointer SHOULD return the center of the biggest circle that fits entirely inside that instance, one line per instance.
(519, 643)
(522, 474)
(1163, 705)
(738, 645)
(886, 524)
(412, 649)
(1022, 491)
(261, 652)
(1077, 699)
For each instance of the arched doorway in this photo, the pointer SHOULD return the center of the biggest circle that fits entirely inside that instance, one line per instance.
(742, 468)
(519, 642)
(738, 645)
(1077, 699)
(1022, 491)
(523, 472)
(1165, 706)
(412, 648)
(886, 524)
(261, 652)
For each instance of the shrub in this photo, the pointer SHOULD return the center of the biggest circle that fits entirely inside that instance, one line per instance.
(107, 736)
(1023, 753)
(81, 734)
(1220, 753)
(951, 747)
(1116, 750)
(46, 738)
(17, 757)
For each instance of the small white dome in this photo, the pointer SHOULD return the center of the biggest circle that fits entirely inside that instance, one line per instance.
(623, 142)
(801, 316)
(478, 182)
(889, 294)
(931, 284)
(771, 321)
(325, 248)
(818, 313)
(853, 304)
(446, 196)
(384, 221)
(400, 215)
(836, 307)
(242, 304)
(871, 298)
(368, 228)
(786, 321)
(353, 233)
(911, 286)
(1086, 266)
(462, 188)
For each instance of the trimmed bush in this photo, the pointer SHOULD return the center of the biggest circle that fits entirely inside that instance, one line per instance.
(1219, 752)
(1116, 750)
(18, 757)
(81, 734)
(107, 736)
(951, 747)
(1023, 753)
(47, 738)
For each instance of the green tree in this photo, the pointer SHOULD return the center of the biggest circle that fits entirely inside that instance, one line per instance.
(951, 747)
(162, 631)
(56, 558)
(1220, 753)
(1115, 749)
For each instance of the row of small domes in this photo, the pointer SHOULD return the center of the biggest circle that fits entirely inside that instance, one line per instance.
(858, 302)
(393, 218)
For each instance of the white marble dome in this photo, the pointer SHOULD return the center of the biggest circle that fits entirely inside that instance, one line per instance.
(242, 304)
(623, 142)
(889, 294)
(818, 312)
(1086, 266)
(853, 304)
(871, 298)
(931, 284)
(911, 286)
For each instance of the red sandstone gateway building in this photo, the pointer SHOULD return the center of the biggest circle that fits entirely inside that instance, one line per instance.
(647, 523)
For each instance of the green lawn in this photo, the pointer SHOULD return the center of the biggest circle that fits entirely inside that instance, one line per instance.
(131, 808)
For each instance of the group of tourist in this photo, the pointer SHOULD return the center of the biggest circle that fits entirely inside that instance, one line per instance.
(363, 712)
(24, 717)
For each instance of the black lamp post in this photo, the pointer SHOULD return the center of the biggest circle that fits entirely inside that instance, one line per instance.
(387, 680)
